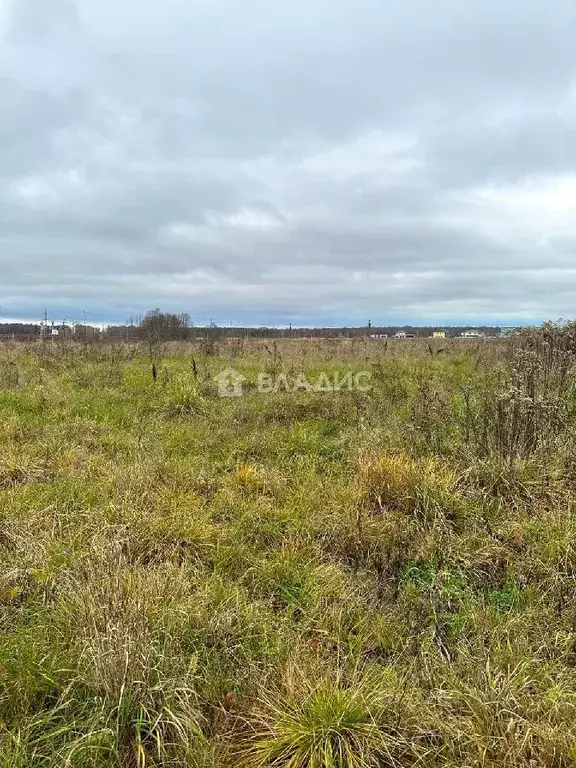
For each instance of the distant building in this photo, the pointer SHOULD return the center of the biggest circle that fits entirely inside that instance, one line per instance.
(471, 334)
(378, 335)
(52, 331)
(400, 335)
(439, 334)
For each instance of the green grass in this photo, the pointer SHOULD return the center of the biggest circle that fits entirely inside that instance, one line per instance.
(292, 579)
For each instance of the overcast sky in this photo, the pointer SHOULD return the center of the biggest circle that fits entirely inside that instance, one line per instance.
(311, 161)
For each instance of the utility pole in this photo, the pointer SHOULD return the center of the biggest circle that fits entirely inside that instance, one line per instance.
(44, 325)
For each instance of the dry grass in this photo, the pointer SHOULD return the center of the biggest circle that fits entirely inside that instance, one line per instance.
(296, 580)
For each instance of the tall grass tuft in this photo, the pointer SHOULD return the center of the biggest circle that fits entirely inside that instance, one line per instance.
(330, 725)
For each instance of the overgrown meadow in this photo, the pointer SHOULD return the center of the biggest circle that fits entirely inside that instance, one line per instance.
(298, 579)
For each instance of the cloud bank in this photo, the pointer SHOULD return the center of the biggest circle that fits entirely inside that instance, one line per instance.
(323, 162)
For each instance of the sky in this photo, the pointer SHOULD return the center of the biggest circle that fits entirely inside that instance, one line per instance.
(322, 162)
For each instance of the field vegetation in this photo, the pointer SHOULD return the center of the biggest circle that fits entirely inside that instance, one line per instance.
(335, 579)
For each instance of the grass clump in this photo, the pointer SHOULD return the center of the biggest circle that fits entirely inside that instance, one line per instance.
(398, 481)
(329, 725)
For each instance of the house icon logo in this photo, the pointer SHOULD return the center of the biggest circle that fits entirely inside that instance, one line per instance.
(229, 383)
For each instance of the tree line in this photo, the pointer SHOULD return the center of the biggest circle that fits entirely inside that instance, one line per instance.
(159, 326)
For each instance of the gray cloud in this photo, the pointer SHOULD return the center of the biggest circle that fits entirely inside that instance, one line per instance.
(314, 162)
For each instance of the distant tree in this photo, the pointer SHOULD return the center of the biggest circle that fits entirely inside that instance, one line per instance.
(159, 326)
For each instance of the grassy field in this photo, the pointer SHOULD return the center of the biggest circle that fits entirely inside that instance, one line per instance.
(335, 579)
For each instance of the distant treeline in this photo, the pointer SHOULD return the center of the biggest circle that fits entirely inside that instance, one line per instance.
(162, 326)
(19, 328)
